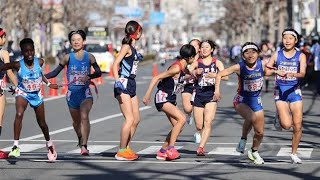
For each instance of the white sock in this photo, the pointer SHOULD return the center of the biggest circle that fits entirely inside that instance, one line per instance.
(16, 143)
(49, 143)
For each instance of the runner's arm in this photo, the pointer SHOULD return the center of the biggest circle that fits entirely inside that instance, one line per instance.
(97, 70)
(64, 61)
(11, 75)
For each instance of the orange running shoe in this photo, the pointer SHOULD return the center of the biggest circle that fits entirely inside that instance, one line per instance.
(132, 152)
(126, 155)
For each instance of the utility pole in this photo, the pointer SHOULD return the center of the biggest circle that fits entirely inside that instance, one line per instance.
(151, 26)
(290, 12)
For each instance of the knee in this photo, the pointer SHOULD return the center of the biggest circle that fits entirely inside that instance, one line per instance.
(129, 121)
(187, 110)
(207, 124)
(199, 127)
(182, 120)
(286, 126)
(136, 122)
(19, 115)
(259, 133)
(297, 128)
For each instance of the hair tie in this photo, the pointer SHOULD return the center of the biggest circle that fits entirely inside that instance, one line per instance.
(134, 35)
(2, 32)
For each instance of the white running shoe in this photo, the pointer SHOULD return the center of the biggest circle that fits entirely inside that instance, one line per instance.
(255, 157)
(241, 146)
(276, 123)
(295, 159)
(197, 137)
(190, 119)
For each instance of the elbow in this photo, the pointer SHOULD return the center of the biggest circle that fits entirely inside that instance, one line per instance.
(225, 78)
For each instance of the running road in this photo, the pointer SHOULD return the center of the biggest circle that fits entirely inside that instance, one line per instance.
(222, 161)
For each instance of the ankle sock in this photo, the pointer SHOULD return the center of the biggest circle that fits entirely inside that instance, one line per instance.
(163, 150)
(16, 143)
(253, 150)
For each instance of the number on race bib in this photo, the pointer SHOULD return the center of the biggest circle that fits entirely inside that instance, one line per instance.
(161, 97)
(124, 82)
(253, 85)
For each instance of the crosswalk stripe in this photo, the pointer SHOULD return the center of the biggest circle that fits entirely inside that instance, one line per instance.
(26, 147)
(95, 149)
(225, 151)
(154, 149)
(302, 152)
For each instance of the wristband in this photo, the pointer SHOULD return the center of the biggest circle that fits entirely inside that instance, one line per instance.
(48, 84)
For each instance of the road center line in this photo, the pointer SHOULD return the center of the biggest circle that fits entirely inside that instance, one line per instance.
(71, 127)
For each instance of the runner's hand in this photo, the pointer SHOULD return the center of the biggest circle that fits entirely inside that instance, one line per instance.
(146, 100)
(216, 96)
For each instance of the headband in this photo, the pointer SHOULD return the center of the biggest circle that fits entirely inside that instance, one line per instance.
(134, 35)
(75, 32)
(249, 46)
(2, 32)
(291, 33)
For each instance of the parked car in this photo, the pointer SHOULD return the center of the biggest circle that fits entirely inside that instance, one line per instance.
(103, 57)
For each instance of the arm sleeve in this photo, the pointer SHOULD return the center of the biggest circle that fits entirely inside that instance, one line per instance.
(55, 72)
(97, 71)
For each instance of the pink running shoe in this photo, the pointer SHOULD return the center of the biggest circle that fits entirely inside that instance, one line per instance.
(200, 151)
(52, 153)
(161, 156)
(84, 151)
(172, 154)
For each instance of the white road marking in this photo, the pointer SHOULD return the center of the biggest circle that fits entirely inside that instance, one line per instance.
(225, 151)
(13, 99)
(154, 149)
(302, 152)
(94, 149)
(71, 127)
(231, 83)
(146, 77)
(26, 147)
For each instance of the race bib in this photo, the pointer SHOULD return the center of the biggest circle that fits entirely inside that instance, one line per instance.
(76, 79)
(178, 88)
(253, 85)
(134, 67)
(124, 82)
(32, 85)
(2, 84)
(287, 70)
(205, 81)
(161, 97)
